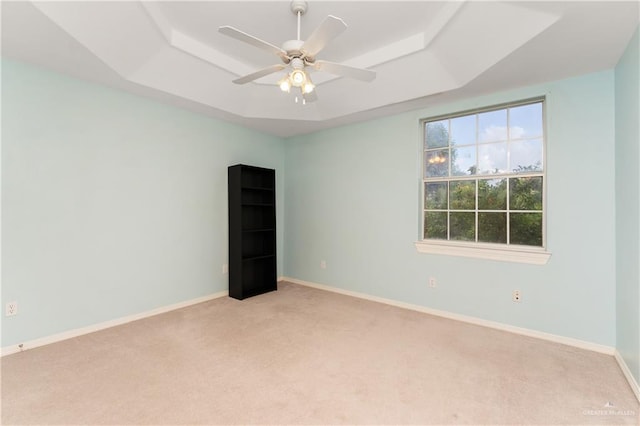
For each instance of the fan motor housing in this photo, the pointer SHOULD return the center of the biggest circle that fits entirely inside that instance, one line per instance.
(292, 47)
(297, 64)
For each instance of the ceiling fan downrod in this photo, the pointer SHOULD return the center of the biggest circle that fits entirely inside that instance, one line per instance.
(299, 7)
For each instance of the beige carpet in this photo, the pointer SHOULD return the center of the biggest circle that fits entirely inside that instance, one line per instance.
(306, 356)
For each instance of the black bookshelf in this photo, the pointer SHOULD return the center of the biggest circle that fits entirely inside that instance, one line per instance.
(252, 231)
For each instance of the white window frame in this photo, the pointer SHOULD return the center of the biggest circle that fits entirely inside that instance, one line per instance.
(480, 250)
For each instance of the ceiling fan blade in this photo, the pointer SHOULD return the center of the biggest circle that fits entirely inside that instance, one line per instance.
(329, 29)
(254, 41)
(260, 73)
(345, 70)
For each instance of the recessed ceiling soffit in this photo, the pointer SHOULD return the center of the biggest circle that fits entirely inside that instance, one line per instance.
(142, 43)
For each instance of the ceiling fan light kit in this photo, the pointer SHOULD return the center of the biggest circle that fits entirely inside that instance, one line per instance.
(297, 55)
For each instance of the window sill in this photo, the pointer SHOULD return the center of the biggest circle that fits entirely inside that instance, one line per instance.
(532, 256)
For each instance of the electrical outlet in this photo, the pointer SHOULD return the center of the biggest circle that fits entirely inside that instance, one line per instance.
(432, 282)
(225, 269)
(323, 264)
(517, 297)
(11, 309)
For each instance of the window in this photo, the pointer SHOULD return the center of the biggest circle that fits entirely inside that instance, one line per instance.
(484, 182)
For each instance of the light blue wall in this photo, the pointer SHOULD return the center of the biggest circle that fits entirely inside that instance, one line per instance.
(353, 196)
(112, 204)
(627, 89)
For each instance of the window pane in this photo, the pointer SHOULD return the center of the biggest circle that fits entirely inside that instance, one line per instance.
(492, 126)
(492, 194)
(483, 176)
(525, 229)
(525, 121)
(463, 161)
(463, 130)
(437, 134)
(525, 193)
(492, 227)
(463, 226)
(435, 196)
(492, 158)
(436, 163)
(435, 225)
(462, 195)
(526, 156)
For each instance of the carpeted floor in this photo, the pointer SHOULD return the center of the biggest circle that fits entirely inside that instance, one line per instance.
(306, 356)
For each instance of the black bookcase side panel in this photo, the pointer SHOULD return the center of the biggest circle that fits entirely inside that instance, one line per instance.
(235, 228)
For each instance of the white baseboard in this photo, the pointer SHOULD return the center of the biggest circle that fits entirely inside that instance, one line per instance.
(8, 350)
(12, 349)
(608, 350)
(472, 320)
(627, 374)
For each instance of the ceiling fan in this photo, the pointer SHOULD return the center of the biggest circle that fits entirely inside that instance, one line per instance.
(299, 55)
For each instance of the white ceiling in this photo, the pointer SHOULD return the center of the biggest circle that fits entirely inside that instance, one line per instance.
(424, 52)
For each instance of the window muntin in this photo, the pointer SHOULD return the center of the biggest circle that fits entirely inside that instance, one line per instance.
(483, 176)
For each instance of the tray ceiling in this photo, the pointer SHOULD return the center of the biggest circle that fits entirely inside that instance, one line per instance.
(424, 52)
